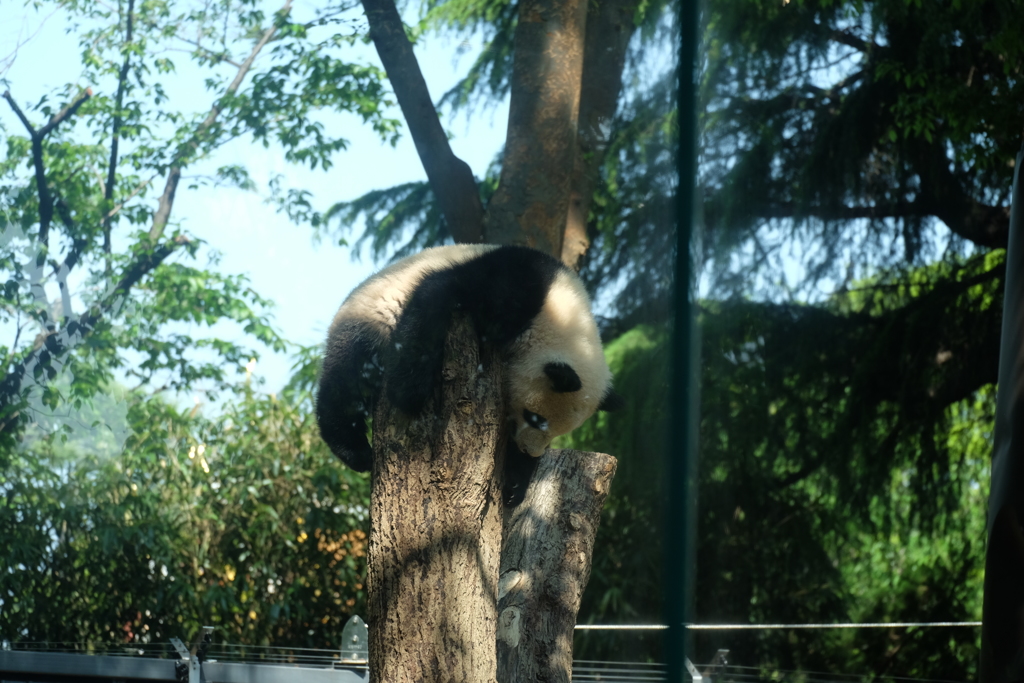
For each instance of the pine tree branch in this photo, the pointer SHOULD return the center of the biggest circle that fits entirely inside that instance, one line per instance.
(450, 178)
(919, 358)
(850, 40)
(985, 225)
(982, 224)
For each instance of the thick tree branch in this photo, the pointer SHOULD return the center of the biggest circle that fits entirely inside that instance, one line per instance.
(184, 153)
(78, 242)
(850, 40)
(932, 352)
(987, 226)
(836, 89)
(65, 113)
(20, 114)
(450, 178)
(903, 368)
(982, 224)
(925, 355)
(531, 205)
(608, 31)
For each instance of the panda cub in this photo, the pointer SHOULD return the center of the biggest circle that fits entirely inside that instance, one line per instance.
(522, 301)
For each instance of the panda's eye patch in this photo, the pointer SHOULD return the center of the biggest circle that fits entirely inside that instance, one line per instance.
(534, 420)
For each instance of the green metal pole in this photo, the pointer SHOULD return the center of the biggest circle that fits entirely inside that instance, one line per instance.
(682, 452)
(1002, 630)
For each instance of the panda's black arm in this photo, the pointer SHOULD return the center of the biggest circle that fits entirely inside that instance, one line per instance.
(413, 357)
(349, 381)
(502, 290)
(519, 468)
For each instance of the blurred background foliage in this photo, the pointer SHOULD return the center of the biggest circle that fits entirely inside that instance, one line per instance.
(245, 523)
(854, 175)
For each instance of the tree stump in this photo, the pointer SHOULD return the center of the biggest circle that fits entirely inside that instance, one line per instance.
(545, 564)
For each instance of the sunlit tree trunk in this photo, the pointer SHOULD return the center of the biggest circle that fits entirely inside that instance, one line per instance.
(435, 525)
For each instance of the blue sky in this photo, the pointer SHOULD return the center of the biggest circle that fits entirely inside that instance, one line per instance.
(307, 281)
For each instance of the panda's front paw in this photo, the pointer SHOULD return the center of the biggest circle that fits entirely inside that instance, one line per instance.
(359, 459)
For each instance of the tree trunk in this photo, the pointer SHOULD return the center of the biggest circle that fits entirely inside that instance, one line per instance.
(609, 29)
(532, 201)
(545, 564)
(435, 532)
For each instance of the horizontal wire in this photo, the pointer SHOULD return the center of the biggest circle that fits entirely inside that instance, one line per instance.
(748, 627)
(621, 627)
(864, 624)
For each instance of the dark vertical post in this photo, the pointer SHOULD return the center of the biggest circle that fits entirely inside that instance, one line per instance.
(682, 452)
(1002, 631)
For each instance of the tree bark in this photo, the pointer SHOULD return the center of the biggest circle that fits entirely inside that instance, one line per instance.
(435, 533)
(545, 564)
(531, 204)
(609, 29)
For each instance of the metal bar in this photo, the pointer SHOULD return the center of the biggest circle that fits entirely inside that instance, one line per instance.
(223, 672)
(692, 670)
(866, 624)
(749, 627)
(681, 454)
(1002, 633)
(86, 666)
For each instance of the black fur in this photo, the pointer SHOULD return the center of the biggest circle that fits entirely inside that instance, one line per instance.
(349, 382)
(563, 378)
(501, 290)
(519, 468)
(612, 401)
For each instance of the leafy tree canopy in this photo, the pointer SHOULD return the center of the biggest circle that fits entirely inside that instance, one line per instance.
(100, 282)
(129, 519)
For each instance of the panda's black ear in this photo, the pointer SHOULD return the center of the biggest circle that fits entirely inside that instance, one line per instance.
(563, 377)
(612, 401)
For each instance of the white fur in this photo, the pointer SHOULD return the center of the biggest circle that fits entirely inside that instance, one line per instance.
(379, 300)
(564, 332)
